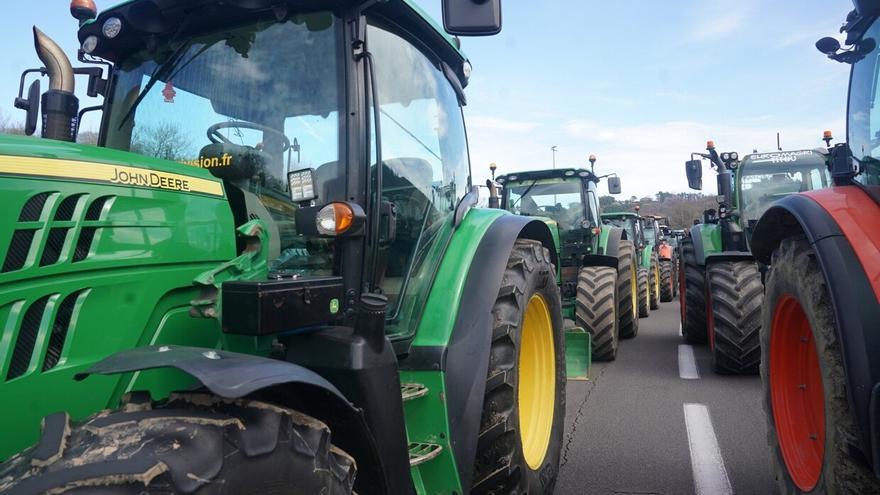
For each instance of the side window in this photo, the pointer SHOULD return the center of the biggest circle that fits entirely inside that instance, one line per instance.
(424, 170)
(593, 202)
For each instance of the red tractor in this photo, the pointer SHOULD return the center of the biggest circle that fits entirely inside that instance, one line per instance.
(820, 336)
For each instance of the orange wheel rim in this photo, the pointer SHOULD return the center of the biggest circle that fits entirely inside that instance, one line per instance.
(796, 393)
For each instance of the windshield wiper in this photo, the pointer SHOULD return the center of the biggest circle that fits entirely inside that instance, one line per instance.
(161, 72)
(528, 189)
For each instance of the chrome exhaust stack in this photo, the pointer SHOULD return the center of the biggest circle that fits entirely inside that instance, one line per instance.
(60, 106)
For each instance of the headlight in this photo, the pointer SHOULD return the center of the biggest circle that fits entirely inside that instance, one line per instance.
(112, 27)
(734, 156)
(725, 157)
(89, 44)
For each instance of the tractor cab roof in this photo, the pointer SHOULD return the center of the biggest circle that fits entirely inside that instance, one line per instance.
(558, 173)
(620, 214)
(795, 158)
(148, 23)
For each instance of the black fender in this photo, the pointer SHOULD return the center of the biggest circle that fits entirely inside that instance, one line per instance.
(855, 310)
(233, 375)
(465, 360)
(615, 235)
(600, 260)
(728, 256)
(697, 241)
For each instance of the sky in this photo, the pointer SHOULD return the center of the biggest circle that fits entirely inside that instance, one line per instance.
(639, 84)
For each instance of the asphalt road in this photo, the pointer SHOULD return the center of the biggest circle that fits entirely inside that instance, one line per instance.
(638, 427)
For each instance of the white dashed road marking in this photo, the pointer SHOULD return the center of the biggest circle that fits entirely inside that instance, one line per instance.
(687, 363)
(710, 476)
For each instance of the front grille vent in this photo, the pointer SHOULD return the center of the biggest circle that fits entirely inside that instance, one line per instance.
(26, 339)
(59, 330)
(67, 207)
(19, 247)
(33, 208)
(54, 244)
(84, 243)
(94, 211)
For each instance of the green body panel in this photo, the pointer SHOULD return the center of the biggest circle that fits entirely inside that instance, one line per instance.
(710, 234)
(132, 288)
(600, 243)
(645, 260)
(578, 353)
(427, 422)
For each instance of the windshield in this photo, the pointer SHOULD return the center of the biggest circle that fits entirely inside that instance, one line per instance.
(251, 104)
(557, 199)
(863, 126)
(624, 223)
(649, 232)
(768, 177)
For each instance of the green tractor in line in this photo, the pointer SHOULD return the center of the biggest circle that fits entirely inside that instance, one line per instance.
(597, 272)
(722, 291)
(269, 274)
(634, 225)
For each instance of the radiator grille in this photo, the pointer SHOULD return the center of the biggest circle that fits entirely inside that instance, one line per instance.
(26, 339)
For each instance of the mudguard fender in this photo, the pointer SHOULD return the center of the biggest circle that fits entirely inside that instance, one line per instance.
(233, 375)
(615, 235)
(465, 357)
(856, 309)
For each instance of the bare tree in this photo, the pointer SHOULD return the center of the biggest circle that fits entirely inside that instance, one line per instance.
(166, 141)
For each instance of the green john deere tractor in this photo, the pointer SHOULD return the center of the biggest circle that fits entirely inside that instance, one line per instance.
(634, 225)
(269, 275)
(597, 266)
(723, 292)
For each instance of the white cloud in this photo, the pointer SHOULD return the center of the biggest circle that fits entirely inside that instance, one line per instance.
(719, 18)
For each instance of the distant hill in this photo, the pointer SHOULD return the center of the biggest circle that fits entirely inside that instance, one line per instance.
(681, 208)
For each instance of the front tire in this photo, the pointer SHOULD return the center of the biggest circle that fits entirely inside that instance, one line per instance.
(596, 309)
(644, 294)
(186, 443)
(655, 281)
(666, 289)
(804, 381)
(693, 325)
(627, 287)
(735, 298)
(521, 429)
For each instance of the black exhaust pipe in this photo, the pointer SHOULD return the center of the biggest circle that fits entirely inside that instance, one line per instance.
(59, 104)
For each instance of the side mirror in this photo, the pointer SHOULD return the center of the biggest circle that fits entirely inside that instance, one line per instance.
(472, 17)
(31, 105)
(828, 45)
(614, 185)
(694, 171)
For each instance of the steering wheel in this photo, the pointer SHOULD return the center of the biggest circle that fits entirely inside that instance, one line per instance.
(215, 137)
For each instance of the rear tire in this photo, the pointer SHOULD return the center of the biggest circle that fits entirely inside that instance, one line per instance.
(596, 309)
(736, 296)
(186, 443)
(502, 463)
(666, 281)
(795, 274)
(626, 277)
(694, 312)
(644, 294)
(654, 281)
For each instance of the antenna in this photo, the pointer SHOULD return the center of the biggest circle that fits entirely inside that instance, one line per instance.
(778, 146)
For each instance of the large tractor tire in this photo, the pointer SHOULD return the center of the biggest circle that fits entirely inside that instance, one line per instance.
(596, 309)
(188, 443)
(810, 423)
(666, 281)
(735, 298)
(627, 291)
(655, 281)
(522, 426)
(644, 293)
(693, 308)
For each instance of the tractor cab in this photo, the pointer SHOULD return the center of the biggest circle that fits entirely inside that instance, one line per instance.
(569, 201)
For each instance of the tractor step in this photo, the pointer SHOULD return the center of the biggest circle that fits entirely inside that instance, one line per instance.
(410, 391)
(423, 452)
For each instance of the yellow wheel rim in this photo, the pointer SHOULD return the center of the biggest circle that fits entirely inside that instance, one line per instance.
(536, 390)
(657, 281)
(634, 285)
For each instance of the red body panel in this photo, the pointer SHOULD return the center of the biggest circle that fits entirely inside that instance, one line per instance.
(859, 218)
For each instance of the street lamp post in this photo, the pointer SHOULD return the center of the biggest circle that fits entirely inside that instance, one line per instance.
(554, 149)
